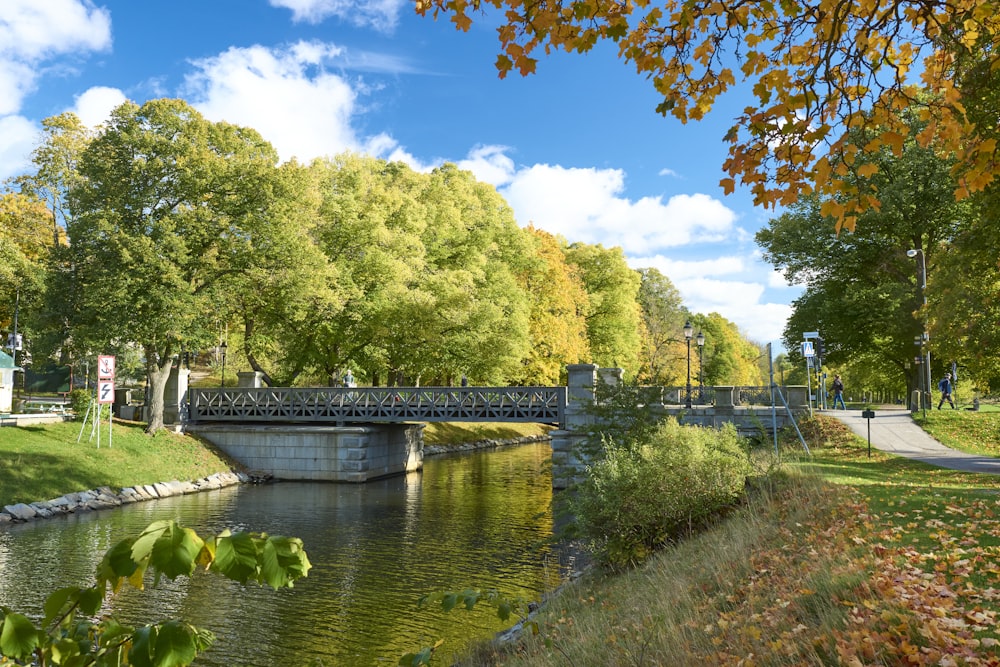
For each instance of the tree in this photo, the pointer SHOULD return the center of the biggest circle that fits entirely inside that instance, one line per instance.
(862, 291)
(559, 301)
(24, 260)
(664, 316)
(819, 71)
(169, 207)
(613, 316)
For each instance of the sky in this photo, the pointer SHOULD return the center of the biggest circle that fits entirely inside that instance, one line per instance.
(576, 149)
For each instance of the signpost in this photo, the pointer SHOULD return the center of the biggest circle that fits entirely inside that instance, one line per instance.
(105, 396)
(869, 415)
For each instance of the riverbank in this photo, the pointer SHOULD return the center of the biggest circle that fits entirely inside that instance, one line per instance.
(41, 460)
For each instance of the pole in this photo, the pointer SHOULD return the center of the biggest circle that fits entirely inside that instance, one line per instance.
(774, 413)
(926, 339)
(687, 400)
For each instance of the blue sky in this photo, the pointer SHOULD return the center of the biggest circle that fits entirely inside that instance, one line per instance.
(577, 149)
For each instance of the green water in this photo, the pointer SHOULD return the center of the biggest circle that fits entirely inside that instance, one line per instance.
(474, 520)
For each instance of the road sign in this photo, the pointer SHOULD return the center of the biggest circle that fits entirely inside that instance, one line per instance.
(810, 334)
(105, 391)
(807, 349)
(105, 367)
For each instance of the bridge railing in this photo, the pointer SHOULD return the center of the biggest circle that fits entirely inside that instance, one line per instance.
(544, 405)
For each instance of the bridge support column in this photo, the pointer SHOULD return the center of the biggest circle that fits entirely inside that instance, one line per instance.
(567, 464)
(321, 453)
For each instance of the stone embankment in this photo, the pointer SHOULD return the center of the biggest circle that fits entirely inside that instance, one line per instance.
(106, 498)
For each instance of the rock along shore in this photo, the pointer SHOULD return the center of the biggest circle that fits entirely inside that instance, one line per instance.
(106, 498)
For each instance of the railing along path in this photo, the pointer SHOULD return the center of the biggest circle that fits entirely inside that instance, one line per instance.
(545, 405)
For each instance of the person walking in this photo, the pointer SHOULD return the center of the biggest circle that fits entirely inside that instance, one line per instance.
(945, 386)
(838, 392)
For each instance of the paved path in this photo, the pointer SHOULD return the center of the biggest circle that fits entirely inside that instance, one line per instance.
(893, 430)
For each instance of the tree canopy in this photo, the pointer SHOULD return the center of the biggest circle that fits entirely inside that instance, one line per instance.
(827, 79)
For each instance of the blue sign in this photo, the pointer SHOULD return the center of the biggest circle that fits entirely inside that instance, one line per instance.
(807, 349)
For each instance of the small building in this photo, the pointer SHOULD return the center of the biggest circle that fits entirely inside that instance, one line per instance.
(7, 369)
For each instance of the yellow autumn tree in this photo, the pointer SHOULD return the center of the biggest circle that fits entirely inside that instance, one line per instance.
(815, 70)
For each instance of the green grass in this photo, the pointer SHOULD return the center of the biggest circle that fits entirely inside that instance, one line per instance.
(964, 430)
(46, 461)
(836, 558)
(456, 433)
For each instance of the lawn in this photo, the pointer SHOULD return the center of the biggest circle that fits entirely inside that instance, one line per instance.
(47, 461)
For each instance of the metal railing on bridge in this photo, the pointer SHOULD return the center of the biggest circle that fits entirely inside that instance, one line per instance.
(545, 405)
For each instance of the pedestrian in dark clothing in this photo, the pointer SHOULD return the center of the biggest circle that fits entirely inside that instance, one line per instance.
(945, 386)
(838, 392)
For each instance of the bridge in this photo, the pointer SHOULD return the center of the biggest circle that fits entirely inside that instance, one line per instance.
(355, 434)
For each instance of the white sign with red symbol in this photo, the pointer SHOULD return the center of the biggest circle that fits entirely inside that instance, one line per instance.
(105, 367)
(105, 379)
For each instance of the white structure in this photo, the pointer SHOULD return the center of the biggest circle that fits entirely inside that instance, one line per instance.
(7, 369)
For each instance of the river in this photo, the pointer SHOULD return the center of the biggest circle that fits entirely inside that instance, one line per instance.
(472, 520)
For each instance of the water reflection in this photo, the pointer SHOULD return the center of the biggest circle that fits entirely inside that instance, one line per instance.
(473, 520)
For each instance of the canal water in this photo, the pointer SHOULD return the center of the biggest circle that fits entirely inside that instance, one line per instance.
(473, 520)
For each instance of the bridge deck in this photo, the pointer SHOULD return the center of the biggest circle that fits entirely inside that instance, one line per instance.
(545, 405)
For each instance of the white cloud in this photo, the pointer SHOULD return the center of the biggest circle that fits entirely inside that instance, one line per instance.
(17, 139)
(739, 302)
(32, 31)
(287, 96)
(682, 269)
(589, 205)
(490, 164)
(379, 14)
(94, 106)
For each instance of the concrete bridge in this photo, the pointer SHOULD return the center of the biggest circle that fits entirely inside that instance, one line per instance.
(355, 434)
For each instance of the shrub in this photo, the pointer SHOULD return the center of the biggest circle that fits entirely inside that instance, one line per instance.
(643, 494)
(79, 401)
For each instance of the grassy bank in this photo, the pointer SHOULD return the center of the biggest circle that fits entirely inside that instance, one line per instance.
(46, 461)
(838, 559)
(455, 433)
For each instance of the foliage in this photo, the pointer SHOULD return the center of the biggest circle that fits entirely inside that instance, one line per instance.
(69, 635)
(468, 599)
(833, 551)
(863, 293)
(828, 80)
(643, 494)
(663, 316)
(79, 402)
(557, 328)
(613, 315)
(169, 207)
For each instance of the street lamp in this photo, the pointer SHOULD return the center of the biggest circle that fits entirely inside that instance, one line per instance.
(925, 339)
(688, 332)
(223, 348)
(700, 339)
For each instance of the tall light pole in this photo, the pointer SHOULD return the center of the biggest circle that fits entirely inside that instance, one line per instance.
(223, 348)
(700, 339)
(688, 332)
(925, 339)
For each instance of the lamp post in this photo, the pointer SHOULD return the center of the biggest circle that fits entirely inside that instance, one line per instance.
(925, 339)
(688, 332)
(700, 339)
(223, 348)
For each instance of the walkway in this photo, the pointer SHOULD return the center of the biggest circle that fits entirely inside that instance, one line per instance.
(894, 431)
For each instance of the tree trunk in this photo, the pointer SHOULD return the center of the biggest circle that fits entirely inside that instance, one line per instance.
(158, 376)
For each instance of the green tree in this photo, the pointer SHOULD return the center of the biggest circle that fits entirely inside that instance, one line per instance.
(169, 207)
(862, 291)
(475, 253)
(664, 316)
(614, 319)
(370, 228)
(24, 260)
